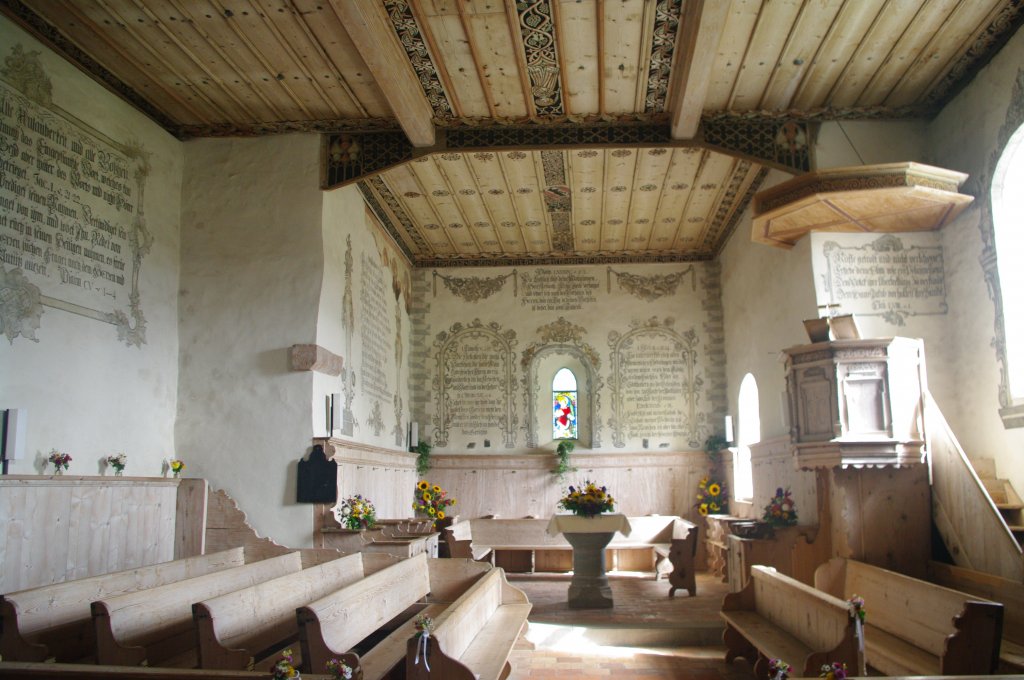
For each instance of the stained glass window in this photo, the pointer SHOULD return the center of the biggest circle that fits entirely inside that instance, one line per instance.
(563, 398)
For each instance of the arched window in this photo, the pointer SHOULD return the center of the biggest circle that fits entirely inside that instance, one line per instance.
(563, 399)
(1008, 224)
(749, 433)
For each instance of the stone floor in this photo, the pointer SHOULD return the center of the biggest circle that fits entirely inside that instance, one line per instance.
(645, 635)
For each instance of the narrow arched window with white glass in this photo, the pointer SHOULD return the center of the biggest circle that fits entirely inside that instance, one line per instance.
(749, 433)
(564, 399)
(1008, 226)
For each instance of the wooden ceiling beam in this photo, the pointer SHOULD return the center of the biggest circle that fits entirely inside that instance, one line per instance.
(370, 29)
(700, 31)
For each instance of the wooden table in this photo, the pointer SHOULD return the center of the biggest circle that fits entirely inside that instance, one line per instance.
(588, 537)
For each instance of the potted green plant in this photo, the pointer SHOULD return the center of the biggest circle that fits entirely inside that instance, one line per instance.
(562, 452)
(423, 450)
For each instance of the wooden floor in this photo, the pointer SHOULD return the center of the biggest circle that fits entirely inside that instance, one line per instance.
(645, 635)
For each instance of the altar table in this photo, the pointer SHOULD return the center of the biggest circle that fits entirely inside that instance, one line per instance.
(588, 537)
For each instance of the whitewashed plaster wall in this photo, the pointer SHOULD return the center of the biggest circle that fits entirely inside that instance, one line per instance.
(87, 392)
(578, 312)
(766, 293)
(968, 136)
(252, 268)
(370, 443)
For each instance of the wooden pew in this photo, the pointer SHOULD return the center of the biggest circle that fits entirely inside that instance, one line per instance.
(459, 537)
(241, 628)
(155, 626)
(915, 627)
(777, 617)
(56, 621)
(1009, 593)
(66, 671)
(332, 626)
(473, 637)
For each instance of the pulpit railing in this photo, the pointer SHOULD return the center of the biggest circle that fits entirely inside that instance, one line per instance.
(973, 529)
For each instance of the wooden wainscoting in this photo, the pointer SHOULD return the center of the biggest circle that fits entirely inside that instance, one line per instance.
(65, 527)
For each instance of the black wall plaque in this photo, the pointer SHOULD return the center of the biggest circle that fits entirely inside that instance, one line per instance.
(318, 478)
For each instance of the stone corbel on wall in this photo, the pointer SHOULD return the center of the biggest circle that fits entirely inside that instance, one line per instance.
(314, 358)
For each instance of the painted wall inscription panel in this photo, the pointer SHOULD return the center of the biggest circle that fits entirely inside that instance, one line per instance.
(374, 331)
(655, 384)
(558, 290)
(71, 217)
(887, 276)
(474, 382)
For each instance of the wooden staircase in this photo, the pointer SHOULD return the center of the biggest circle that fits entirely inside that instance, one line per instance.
(1005, 497)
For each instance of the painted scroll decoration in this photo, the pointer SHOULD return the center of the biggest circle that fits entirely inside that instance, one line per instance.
(476, 288)
(538, 33)
(473, 382)
(348, 320)
(655, 385)
(565, 338)
(653, 286)
(72, 225)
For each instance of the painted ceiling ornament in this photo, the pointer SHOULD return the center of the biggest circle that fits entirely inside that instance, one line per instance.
(476, 288)
(666, 24)
(538, 33)
(409, 34)
(345, 149)
(23, 70)
(20, 306)
(654, 286)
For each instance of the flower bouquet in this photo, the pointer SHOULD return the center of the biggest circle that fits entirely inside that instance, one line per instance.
(61, 461)
(589, 500)
(711, 497)
(356, 512)
(177, 467)
(339, 670)
(118, 461)
(431, 500)
(781, 510)
(833, 671)
(285, 668)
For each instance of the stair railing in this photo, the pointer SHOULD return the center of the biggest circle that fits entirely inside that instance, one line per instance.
(973, 529)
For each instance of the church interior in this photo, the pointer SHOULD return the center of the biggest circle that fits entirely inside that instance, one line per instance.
(746, 266)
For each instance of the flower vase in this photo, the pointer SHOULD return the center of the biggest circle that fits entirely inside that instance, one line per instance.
(58, 470)
(176, 474)
(118, 473)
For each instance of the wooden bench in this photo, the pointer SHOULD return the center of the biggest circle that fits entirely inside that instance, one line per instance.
(459, 537)
(524, 545)
(24, 670)
(915, 627)
(237, 630)
(331, 626)
(1009, 593)
(155, 626)
(473, 638)
(777, 617)
(56, 620)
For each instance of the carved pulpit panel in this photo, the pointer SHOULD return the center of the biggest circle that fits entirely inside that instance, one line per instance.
(857, 402)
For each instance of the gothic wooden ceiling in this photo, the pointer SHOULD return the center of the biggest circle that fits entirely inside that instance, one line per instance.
(701, 73)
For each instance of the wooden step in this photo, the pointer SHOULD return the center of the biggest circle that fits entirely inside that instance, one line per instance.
(1010, 506)
(984, 467)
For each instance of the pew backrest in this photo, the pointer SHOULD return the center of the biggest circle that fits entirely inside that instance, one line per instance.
(960, 630)
(333, 624)
(135, 620)
(916, 611)
(819, 619)
(235, 627)
(61, 611)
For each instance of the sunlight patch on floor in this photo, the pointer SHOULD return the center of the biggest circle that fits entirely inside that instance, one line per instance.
(579, 641)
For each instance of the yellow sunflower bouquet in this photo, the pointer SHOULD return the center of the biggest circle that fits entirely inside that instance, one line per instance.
(431, 500)
(711, 497)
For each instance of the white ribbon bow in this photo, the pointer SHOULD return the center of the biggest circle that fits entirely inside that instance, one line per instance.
(421, 649)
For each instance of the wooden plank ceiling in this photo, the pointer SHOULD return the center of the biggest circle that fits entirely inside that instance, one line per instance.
(217, 67)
